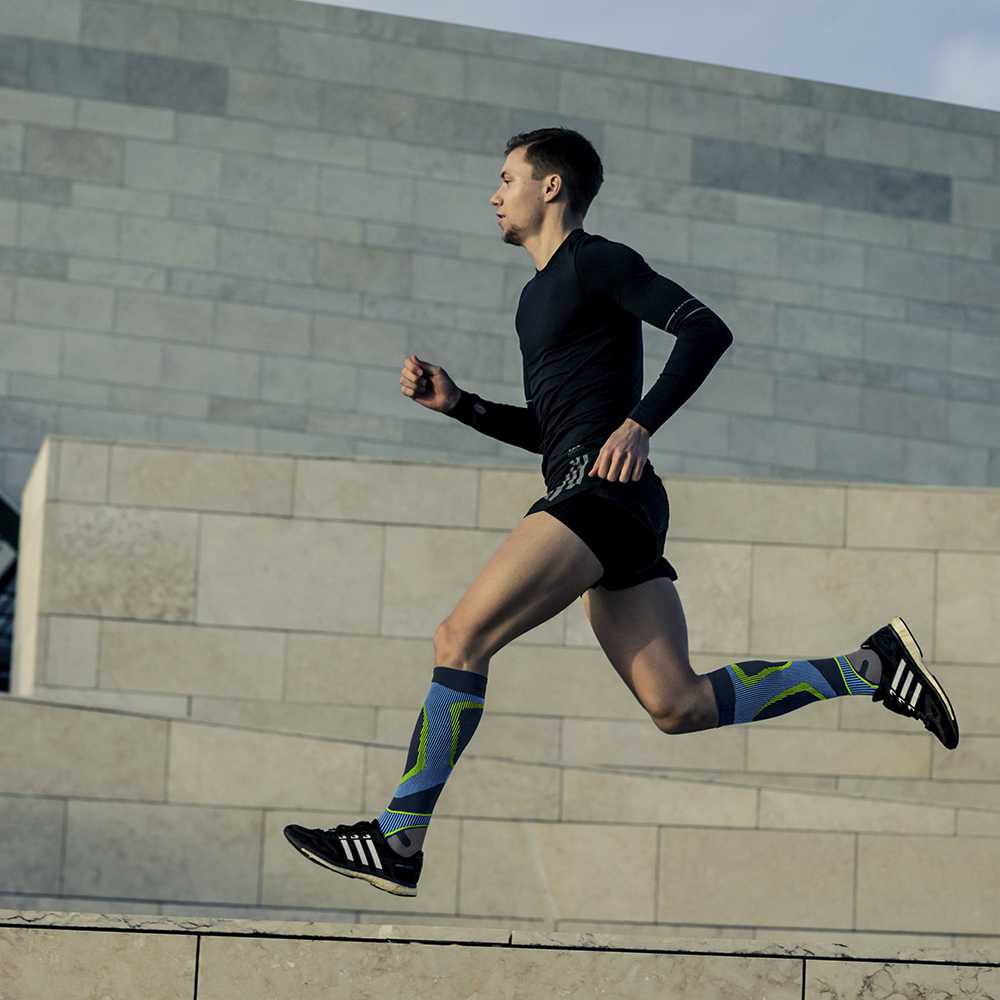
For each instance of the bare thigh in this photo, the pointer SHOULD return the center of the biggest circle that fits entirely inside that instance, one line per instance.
(643, 633)
(540, 568)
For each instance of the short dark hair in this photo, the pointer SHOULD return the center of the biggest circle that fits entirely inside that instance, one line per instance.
(567, 153)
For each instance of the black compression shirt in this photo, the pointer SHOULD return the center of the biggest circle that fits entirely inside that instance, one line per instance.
(579, 323)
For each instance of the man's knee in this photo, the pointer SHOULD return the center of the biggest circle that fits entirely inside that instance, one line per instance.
(683, 715)
(443, 635)
(451, 642)
(669, 722)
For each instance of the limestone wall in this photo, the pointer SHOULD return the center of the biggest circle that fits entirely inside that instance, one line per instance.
(300, 594)
(155, 815)
(227, 222)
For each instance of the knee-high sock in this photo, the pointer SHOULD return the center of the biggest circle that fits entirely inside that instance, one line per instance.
(451, 713)
(761, 689)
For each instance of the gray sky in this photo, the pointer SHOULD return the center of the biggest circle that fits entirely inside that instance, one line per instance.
(923, 48)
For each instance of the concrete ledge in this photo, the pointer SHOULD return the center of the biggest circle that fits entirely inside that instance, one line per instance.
(105, 954)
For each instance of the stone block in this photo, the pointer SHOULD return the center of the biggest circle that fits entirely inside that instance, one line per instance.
(55, 303)
(71, 153)
(130, 27)
(262, 329)
(966, 605)
(30, 349)
(155, 316)
(172, 244)
(93, 741)
(535, 86)
(199, 481)
(159, 167)
(136, 849)
(289, 582)
(743, 861)
(951, 893)
(537, 870)
(814, 593)
(69, 230)
(181, 84)
(260, 255)
(55, 19)
(229, 41)
(286, 100)
(29, 106)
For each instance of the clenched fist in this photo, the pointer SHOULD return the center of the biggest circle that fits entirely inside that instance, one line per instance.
(428, 384)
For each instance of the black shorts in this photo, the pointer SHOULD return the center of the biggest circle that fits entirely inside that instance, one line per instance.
(623, 524)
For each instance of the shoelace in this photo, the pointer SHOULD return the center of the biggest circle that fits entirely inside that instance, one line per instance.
(363, 825)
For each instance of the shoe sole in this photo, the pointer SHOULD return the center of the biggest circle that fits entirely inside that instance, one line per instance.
(380, 883)
(910, 644)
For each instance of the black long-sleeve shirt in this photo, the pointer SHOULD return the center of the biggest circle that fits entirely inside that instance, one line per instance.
(579, 323)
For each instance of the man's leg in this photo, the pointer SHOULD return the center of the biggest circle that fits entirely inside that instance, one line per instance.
(643, 633)
(540, 569)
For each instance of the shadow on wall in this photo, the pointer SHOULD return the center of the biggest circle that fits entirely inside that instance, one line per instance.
(10, 526)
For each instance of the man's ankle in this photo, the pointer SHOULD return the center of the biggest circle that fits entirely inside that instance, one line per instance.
(406, 843)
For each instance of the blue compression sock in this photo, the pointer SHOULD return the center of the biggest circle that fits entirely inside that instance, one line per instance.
(451, 714)
(761, 689)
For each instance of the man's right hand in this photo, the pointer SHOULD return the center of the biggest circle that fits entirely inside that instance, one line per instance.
(428, 385)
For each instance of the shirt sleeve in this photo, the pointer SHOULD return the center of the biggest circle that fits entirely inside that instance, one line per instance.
(516, 425)
(620, 274)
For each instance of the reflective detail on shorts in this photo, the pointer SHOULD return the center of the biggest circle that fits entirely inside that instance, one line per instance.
(574, 476)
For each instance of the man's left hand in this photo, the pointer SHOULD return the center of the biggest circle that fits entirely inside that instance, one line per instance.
(624, 454)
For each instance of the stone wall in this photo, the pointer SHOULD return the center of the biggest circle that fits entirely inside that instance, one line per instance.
(301, 595)
(228, 222)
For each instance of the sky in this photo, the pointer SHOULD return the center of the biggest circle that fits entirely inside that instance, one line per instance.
(944, 51)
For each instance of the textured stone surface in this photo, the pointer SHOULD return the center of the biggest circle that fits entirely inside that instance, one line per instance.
(130, 610)
(362, 148)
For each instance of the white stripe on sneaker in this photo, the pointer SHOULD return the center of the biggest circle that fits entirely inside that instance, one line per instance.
(900, 670)
(374, 853)
(359, 847)
(347, 848)
(913, 697)
(906, 685)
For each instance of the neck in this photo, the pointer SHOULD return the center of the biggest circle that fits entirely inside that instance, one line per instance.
(543, 244)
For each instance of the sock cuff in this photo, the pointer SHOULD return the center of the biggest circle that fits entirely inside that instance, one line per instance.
(466, 681)
(725, 695)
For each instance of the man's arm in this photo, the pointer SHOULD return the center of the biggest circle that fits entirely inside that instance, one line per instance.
(511, 424)
(622, 275)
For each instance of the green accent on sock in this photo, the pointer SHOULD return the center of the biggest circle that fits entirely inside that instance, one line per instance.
(457, 708)
(421, 750)
(450, 715)
(753, 690)
(751, 679)
(804, 686)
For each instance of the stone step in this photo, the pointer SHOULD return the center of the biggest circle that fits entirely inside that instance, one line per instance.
(66, 953)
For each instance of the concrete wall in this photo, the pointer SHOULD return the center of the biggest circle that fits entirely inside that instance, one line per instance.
(301, 595)
(227, 222)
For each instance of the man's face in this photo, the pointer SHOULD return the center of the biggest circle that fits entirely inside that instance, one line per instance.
(518, 199)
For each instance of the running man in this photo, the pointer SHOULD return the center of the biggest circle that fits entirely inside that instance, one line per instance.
(599, 531)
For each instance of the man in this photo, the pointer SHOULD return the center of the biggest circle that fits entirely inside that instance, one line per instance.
(599, 531)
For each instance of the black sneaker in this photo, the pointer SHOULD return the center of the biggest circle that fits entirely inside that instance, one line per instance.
(359, 850)
(906, 686)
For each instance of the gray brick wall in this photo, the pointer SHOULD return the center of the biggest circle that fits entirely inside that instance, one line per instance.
(229, 221)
